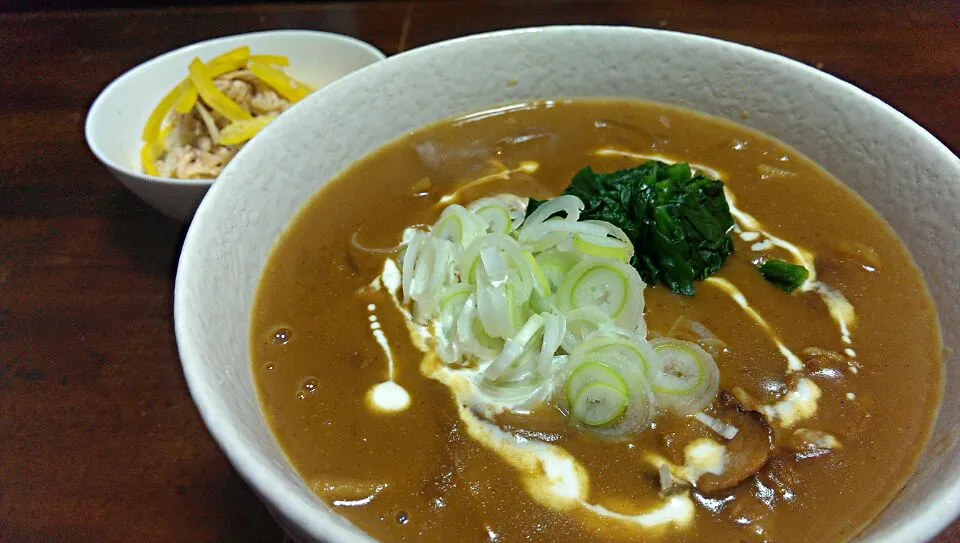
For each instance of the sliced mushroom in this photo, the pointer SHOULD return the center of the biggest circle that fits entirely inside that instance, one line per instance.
(747, 453)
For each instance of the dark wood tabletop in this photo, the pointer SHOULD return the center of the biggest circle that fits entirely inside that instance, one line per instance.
(99, 439)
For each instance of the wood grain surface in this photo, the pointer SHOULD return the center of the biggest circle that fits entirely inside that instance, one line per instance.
(99, 439)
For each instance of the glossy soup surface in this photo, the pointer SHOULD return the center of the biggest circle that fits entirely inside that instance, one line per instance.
(416, 474)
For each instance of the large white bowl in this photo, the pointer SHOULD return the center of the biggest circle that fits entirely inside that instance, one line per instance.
(905, 173)
(117, 116)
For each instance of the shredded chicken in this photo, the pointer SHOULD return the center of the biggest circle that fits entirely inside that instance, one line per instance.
(237, 90)
(267, 101)
(191, 151)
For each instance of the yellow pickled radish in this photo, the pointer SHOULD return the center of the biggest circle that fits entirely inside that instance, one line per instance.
(241, 131)
(217, 101)
(302, 87)
(228, 62)
(151, 130)
(273, 60)
(151, 150)
(187, 99)
(277, 80)
(148, 159)
(240, 54)
(234, 59)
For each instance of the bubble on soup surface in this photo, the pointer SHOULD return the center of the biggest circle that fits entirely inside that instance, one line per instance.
(402, 518)
(309, 385)
(281, 336)
(269, 366)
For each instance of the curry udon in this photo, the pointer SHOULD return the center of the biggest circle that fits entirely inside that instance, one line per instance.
(443, 359)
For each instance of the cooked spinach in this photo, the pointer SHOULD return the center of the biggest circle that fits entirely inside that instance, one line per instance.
(679, 223)
(784, 275)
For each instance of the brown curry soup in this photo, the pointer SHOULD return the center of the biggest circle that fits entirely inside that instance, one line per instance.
(430, 480)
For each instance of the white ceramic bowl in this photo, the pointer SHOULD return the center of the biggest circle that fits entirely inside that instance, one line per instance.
(905, 173)
(117, 116)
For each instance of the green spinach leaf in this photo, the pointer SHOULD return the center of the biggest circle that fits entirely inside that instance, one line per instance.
(784, 275)
(679, 223)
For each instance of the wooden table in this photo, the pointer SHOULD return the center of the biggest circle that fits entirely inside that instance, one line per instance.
(99, 439)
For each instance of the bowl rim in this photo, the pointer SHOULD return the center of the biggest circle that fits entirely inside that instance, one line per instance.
(101, 101)
(920, 527)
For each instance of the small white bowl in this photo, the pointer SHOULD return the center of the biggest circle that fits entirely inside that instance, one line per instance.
(116, 119)
(909, 177)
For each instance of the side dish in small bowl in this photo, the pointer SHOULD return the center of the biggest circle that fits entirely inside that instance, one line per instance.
(167, 128)
(203, 121)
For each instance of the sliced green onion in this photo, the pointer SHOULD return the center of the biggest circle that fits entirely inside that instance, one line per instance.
(582, 323)
(728, 431)
(599, 404)
(522, 372)
(514, 347)
(494, 263)
(497, 217)
(684, 378)
(541, 304)
(590, 373)
(458, 226)
(492, 209)
(613, 287)
(611, 230)
(603, 247)
(410, 254)
(555, 265)
(640, 401)
(567, 205)
(455, 295)
(521, 393)
(554, 328)
(430, 272)
(540, 282)
(497, 307)
(510, 251)
(556, 233)
(538, 304)
(452, 301)
(635, 353)
(472, 339)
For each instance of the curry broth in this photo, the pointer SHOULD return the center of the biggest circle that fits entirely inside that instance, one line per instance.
(441, 485)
